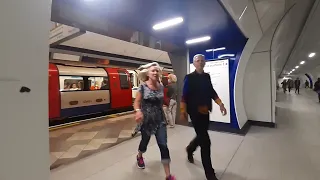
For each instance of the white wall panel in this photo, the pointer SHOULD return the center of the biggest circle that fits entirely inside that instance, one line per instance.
(250, 24)
(257, 88)
(24, 135)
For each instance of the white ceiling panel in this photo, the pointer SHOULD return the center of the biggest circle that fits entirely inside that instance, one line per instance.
(97, 42)
(269, 11)
(287, 33)
(309, 41)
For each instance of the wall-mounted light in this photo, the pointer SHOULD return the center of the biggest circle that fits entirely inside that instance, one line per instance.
(302, 62)
(168, 23)
(198, 40)
(243, 12)
(226, 55)
(312, 55)
(216, 49)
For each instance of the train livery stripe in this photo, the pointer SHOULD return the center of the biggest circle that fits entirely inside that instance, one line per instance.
(79, 111)
(74, 99)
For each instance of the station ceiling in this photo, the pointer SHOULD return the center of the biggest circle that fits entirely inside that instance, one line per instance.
(201, 17)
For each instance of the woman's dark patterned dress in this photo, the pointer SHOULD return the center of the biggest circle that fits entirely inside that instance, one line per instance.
(151, 107)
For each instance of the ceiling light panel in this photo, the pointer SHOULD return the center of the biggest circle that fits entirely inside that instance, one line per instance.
(168, 23)
(198, 40)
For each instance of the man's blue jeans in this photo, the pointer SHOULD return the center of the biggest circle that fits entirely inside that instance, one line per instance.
(161, 137)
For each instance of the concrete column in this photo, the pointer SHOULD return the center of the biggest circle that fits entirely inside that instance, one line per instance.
(24, 152)
(179, 61)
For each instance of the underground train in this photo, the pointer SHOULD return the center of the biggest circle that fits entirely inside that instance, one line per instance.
(77, 90)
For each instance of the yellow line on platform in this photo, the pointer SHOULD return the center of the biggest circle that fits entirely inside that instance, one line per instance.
(80, 122)
(64, 126)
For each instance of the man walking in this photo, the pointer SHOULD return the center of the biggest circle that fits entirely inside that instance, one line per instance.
(197, 102)
(297, 85)
(317, 88)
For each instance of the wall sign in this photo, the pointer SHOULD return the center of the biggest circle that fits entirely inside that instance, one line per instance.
(219, 73)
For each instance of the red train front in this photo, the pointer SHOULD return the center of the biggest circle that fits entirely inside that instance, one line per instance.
(77, 91)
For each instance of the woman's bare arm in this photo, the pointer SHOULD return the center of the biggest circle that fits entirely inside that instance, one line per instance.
(137, 101)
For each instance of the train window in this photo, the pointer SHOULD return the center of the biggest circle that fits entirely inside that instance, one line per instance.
(71, 83)
(124, 79)
(98, 83)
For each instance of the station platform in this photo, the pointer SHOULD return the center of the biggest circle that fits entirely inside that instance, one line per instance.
(290, 151)
(74, 141)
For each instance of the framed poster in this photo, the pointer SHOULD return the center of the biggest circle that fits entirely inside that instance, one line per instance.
(219, 74)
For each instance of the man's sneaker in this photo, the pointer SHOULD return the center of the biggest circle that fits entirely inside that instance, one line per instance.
(190, 156)
(140, 162)
(171, 178)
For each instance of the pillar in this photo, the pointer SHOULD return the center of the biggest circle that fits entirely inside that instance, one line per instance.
(24, 115)
(179, 61)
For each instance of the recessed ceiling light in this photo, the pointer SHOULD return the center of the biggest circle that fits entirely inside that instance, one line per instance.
(216, 49)
(226, 55)
(312, 55)
(302, 62)
(293, 70)
(197, 40)
(168, 23)
(297, 67)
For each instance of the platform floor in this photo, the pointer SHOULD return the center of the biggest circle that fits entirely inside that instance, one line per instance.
(70, 144)
(288, 152)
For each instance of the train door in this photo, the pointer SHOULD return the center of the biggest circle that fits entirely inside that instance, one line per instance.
(54, 93)
(120, 87)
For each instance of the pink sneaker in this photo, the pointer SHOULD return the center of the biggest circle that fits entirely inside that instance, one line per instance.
(140, 162)
(171, 178)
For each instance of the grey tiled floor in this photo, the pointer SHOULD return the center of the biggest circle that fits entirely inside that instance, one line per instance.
(289, 152)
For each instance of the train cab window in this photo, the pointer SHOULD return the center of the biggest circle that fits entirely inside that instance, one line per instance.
(98, 83)
(165, 81)
(124, 79)
(71, 83)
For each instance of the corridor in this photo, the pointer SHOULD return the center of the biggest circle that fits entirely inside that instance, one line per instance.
(288, 152)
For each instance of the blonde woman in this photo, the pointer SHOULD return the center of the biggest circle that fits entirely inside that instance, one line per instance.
(172, 95)
(150, 116)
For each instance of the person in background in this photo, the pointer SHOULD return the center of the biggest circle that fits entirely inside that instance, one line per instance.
(306, 84)
(290, 85)
(66, 86)
(297, 85)
(104, 85)
(172, 96)
(74, 87)
(284, 85)
(197, 102)
(150, 116)
(317, 88)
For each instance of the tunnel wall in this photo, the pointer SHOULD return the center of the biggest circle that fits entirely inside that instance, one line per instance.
(253, 85)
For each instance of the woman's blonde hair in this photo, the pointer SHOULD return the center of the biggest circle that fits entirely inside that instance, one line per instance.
(143, 74)
(173, 78)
